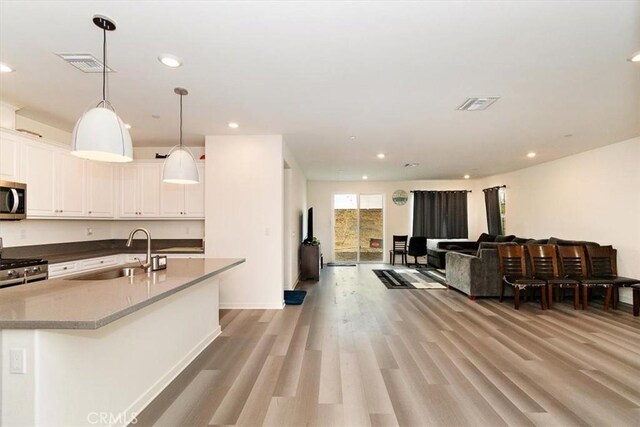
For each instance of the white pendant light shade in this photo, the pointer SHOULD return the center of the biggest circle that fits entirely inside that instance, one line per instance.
(101, 135)
(180, 167)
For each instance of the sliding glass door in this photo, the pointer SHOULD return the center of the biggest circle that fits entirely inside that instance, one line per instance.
(358, 228)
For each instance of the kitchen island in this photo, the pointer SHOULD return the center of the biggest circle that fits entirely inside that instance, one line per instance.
(96, 351)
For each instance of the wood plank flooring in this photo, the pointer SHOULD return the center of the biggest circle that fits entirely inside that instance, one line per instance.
(358, 354)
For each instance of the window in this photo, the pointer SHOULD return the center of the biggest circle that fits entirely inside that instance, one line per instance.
(502, 196)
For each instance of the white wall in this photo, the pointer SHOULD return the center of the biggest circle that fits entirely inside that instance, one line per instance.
(593, 196)
(397, 219)
(244, 216)
(296, 208)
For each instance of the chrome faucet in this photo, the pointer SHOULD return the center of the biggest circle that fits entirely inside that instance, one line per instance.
(147, 265)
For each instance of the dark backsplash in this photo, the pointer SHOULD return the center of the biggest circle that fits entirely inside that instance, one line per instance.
(111, 245)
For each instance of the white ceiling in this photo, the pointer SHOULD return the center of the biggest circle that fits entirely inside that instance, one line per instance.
(390, 73)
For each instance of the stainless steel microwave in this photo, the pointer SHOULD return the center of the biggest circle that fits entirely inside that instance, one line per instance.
(13, 200)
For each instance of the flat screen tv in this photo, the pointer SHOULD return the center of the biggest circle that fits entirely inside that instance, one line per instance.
(309, 238)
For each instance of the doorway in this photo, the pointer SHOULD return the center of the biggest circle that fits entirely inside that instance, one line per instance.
(358, 228)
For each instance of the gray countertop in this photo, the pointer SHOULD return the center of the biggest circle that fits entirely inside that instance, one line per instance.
(90, 304)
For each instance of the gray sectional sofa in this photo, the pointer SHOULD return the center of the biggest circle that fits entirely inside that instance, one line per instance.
(478, 275)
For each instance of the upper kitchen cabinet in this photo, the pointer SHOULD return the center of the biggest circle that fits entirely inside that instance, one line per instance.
(183, 201)
(10, 147)
(55, 182)
(100, 191)
(140, 190)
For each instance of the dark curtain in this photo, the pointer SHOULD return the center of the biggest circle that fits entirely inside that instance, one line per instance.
(440, 214)
(492, 204)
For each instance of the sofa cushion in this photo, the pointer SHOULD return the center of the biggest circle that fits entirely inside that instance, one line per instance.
(454, 247)
(502, 239)
(539, 241)
(522, 240)
(562, 242)
(492, 245)
(486, 237)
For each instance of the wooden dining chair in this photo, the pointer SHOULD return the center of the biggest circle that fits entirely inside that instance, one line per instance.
(604, 266)
(513, 268)
(544, 266)
(573, 263)
(399, 248)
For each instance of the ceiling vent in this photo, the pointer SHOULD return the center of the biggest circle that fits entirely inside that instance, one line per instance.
(477, 104)
(84, 62)
(411, 165)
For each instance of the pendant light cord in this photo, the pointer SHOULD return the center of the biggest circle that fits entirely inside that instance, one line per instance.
(104, 65)
(180, 121)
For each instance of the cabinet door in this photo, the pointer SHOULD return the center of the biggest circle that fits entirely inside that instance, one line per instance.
(9, 158)
(100, 194)
(194, 197)
(41, 183)
(149, 184)
(129, 191)
(70, 186)
(172, 200)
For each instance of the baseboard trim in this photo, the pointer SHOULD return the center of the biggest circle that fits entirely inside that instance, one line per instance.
(258, 306)
(153, 391)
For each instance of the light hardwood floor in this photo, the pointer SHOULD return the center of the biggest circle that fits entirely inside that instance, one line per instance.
(357, 354)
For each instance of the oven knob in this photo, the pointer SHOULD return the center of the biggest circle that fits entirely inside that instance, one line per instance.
(12, 273)
(35, 269)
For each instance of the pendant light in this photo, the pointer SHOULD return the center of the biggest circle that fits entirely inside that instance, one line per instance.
(180, 166)
(100, 134)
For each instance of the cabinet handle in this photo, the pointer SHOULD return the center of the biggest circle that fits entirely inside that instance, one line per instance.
(90, 212)
(64, 268)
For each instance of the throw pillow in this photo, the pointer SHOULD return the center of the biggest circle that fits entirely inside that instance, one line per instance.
(503, 239)
(485, 237)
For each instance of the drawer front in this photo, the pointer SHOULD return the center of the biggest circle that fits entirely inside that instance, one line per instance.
(63, 269)
(94, 263)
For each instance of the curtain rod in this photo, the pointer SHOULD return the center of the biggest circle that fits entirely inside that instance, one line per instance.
(442, 191)
(497, 186)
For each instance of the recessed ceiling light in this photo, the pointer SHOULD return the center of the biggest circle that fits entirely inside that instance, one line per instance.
(531, 155)
(352, 137)
(381, 156)
(467, 176)
(365, 177)
(635, 57)
(171, 61)
(411, 165)
(234, 125)
(127, 125)
(5, 68)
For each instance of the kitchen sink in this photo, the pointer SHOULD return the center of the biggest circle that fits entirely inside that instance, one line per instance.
(109, 274)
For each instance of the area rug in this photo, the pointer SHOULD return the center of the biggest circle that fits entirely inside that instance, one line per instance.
(406, 278)
(294, 297)
(435, 274)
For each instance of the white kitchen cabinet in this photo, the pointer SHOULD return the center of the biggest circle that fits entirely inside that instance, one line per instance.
(183, 200)
(63, 269)
(140, 190)
(39, 165)
(10, 154)
(72, 267)
(100, 191)
(55, 182)
(70, 176)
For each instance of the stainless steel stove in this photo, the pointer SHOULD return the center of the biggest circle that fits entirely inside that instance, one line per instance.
(20, 271)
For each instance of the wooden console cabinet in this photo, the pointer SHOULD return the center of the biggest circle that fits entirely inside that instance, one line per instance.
(309, 262)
